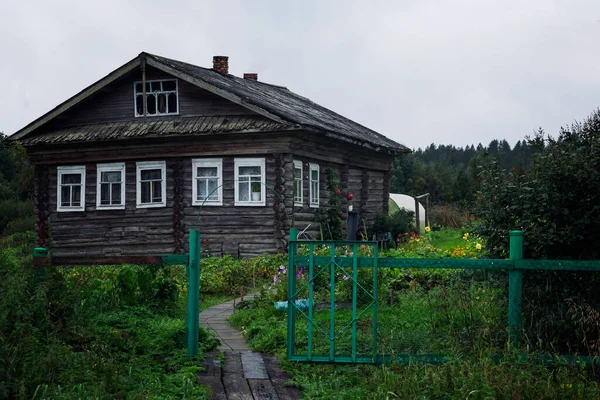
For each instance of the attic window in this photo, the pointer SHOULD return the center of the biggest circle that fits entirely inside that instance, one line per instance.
(161, 98)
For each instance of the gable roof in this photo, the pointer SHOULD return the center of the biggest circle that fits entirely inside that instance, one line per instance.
(275, 103)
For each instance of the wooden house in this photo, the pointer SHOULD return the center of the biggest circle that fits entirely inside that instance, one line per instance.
(127, 166)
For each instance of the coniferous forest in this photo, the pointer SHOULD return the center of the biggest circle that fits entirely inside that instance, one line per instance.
(449, 173)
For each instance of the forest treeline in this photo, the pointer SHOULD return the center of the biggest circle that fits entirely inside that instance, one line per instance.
(449, 173)
(16, 189)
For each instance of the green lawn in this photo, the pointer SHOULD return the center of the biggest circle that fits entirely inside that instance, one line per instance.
(447, 238)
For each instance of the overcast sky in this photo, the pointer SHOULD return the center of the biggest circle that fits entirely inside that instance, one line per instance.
(418, 71)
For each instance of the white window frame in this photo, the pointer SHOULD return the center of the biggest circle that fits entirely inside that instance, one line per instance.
(299, 195)
(113, 167)
(207, 163)
(250, 162)
(145, 165)
(75, 169)
(149, 93)
(314, 197)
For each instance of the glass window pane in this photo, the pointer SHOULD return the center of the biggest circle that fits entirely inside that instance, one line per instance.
(243, 179)
(76, 196)
(65, 196)
(116, 193)
(156, 191)
(155, 86)
(168, 85)
(150, 174)
(139, 104)
(207, 171)
(162, 103)
(249, 171)
(314, 175)
(138, 87)
(105, 194)
(172, 100)
(212, 190)
(243, 192)
(145, 192)
(201, 189)
(297, 173)
(151, 104)
(112, 176)
(71, 178)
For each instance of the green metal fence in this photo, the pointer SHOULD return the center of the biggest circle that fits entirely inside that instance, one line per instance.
(337, 311)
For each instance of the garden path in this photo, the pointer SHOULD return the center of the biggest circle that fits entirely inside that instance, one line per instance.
(242, 374)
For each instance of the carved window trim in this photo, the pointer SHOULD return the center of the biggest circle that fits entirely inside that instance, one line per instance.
(70, 170)
(113, 167)
(155, 90)
(207, 163)
(314, 185)
(298, 183)
(151, 165)
(240, 183)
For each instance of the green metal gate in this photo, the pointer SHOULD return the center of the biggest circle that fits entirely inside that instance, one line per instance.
(326, 341)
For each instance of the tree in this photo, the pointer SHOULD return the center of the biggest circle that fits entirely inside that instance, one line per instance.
(556, 202)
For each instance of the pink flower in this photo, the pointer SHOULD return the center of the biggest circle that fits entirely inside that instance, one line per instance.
(350, 196)
(345, 277)
(338, 191)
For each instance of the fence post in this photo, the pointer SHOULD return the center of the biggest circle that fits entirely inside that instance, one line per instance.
(193, 318)
(291, 311)
(515, 289)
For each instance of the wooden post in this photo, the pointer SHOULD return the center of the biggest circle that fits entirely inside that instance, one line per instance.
(417, 218)
(291, 322)
(193, 318)
(515, 289)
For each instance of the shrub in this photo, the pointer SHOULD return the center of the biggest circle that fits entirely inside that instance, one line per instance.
(399, 223)
(556, 204)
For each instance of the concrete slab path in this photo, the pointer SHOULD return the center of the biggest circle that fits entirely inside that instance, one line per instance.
(243, 374)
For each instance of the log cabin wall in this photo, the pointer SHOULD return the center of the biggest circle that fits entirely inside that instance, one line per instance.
(227, 229)
(242, 231)
(111, 233)
(362, 172)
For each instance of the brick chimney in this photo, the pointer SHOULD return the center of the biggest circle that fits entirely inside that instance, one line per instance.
(251, 76)
(221, 64)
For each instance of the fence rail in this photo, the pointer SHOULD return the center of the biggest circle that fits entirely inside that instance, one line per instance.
(348, 262)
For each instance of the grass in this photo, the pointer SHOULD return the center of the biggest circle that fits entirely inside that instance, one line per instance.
(447, 238)
(454, 313)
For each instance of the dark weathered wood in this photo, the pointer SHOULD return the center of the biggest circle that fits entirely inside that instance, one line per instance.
(85, 260)
(41, 205)
(236, 387)
(179, 227)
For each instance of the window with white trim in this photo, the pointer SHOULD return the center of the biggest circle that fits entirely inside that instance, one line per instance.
(207, 178)
(249, 181)
(151, 184)
(161, 98)
(70, 187)
(314, 184)
(110, 186)
(298, 183)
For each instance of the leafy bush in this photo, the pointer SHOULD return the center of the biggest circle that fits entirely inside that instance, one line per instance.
(399, 223)
(557, 205)
(92, 332)
(13, 210)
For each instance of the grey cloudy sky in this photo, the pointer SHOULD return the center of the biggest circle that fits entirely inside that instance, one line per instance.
(418, 71)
